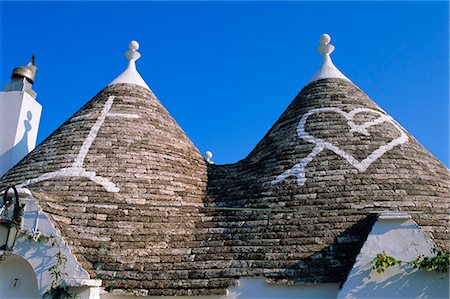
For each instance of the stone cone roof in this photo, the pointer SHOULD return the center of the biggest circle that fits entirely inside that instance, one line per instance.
(303, 199)
(124, 185)
(122, 144)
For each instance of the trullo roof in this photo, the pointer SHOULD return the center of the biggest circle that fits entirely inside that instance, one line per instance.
(305, 198)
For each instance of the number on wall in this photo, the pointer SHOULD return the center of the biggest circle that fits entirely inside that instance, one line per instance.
(15, 283)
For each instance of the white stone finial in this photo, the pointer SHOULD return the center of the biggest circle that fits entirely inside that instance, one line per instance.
(131, 75)
(208, 156)
(327, 69)
(133, 54)
(326, 48)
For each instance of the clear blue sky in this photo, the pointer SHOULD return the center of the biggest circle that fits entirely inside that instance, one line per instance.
(227, 70)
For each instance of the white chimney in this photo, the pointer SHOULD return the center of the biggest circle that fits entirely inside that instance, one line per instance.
(19, 116)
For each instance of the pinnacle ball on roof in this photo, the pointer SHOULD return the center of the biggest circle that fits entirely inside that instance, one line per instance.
(134, 45)
(133, 54)
(208, 156)
(327, 69)
(131, 75)
(325, 39)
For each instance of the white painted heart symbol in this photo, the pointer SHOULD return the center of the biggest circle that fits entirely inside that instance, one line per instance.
(298, 170)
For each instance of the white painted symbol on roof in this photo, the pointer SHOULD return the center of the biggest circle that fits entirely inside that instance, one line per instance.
(77, 169)
(298, 170)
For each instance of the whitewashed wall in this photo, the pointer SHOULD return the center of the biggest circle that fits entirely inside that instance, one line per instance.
(17, 279)
(400, 237)
(258, 288)
(20, 114)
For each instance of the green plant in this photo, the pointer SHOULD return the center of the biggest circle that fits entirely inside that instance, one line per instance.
(39, 237)
(383, 261)
(57, 290)
(110, 285)
(60, 292)
(55, 270)
(439, 263)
